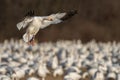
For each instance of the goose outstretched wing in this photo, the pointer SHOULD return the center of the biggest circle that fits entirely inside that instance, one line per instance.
(24, 23)
(56, 18)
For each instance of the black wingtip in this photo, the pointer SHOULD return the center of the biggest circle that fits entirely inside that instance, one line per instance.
(73, 12)
(69, 14)
(30, 13)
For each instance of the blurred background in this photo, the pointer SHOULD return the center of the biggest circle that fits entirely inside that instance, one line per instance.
(96, 19)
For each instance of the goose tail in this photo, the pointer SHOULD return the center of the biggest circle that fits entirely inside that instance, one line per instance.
(27, 37)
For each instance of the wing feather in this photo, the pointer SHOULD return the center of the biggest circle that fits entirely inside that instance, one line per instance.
(19, 25)
(23, 23)
(56, 18)
(52, 19)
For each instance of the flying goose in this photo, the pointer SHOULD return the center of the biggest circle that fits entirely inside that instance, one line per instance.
(35, 23)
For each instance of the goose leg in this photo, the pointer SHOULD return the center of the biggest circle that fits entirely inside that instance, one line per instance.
(32, 40)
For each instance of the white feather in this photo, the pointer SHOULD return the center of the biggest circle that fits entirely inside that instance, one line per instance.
(27, 37)
(57, 16)
(20, 25)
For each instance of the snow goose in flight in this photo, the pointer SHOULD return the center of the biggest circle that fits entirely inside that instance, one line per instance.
(35, 23)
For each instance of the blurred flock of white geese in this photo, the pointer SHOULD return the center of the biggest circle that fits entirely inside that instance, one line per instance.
(71, 59)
